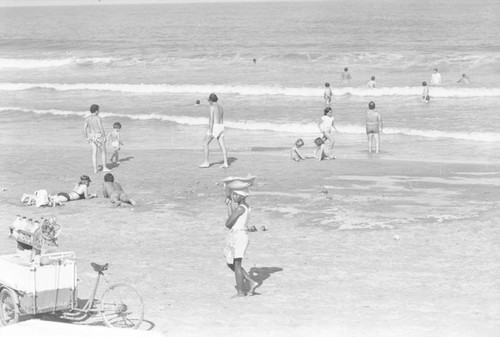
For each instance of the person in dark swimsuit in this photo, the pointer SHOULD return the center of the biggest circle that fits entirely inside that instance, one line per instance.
(80, 191)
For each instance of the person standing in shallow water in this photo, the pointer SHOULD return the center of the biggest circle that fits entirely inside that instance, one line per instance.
(96, 137)
(373, 127)
(345, 76)
(215, 130)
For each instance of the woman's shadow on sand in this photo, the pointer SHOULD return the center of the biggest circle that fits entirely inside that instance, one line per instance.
(260, 274)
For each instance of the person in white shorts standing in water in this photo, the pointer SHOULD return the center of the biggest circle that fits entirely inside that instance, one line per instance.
(215, 130)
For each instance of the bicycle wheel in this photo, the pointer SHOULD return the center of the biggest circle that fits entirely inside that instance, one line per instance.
(8, 311)
(122, 307)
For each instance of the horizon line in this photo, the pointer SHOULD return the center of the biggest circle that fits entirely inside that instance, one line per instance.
(66, 3)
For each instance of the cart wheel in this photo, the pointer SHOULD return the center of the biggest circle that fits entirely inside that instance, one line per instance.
(8, 311)
(122, 307)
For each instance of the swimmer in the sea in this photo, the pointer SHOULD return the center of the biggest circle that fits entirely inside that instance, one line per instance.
(371, 83)
(425, 93)
(464, 79)
(436, 78)
(327, 95)
(373, 127)
(345, 76)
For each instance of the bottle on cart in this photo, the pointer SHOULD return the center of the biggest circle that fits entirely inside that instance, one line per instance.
(14, 226)
(36, 225)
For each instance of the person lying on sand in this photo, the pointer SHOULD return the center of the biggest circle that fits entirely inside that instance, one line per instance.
(80, 191)
(115, 192)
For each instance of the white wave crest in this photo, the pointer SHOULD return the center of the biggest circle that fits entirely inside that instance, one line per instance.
(295, 128)
(254, 90)
(6, 63)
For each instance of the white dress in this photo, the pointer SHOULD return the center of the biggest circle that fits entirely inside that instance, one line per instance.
(237, 238)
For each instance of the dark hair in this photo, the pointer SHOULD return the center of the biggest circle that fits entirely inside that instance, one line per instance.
(346, 69)
(327, 84)
(117, 125)
(436, 69)
(424, 83)
(197, 101)
(371, 105)
(109, 178)
(327, 110)
(299, 140)
(94, 108)
(373, 78)
(318, 141)
(213, 98)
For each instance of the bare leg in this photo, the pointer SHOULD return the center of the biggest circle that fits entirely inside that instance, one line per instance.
(369, 136)
(377, 141)
(238, 273)
(223, 149)
(124, 198)
(332, 142)
(206, 142)
(94, 156)
(103, 158)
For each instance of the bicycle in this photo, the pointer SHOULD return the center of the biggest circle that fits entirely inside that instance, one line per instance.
(121, 305)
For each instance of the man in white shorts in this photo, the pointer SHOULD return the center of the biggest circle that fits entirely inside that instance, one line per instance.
(215, 130)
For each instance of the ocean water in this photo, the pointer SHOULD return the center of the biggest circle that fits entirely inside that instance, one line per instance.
(145, 65)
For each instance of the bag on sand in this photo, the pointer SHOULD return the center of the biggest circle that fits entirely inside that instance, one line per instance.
(41, 198)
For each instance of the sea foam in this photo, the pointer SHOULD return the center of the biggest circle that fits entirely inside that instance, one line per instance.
(294, 128)
(249, 90)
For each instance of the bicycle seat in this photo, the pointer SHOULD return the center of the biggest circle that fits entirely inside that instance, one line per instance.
(99, 267)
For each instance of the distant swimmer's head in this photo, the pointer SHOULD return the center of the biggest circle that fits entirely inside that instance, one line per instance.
(197, 102)
(299, 142)
(373, 78)
(109, 178)
(346, 69)
(318, 141)
(254, 60)
(213, 98)
(371, 105)
(94, 108)
(327, 84)
(327, 110)
(424, 83)
(117, 125)
(463, 75)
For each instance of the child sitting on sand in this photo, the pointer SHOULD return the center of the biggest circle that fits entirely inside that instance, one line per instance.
(320, 151)
(295, 153)
(114, 139)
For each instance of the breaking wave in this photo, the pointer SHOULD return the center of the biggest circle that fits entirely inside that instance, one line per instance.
(250, 90)
(295, 128)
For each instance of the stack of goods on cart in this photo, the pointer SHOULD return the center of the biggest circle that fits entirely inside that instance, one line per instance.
(34, 236)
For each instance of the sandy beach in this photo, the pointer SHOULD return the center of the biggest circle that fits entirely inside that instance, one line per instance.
(354, 247)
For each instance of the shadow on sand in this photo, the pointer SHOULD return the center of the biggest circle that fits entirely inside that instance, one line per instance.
(260, 274)
(115, 165)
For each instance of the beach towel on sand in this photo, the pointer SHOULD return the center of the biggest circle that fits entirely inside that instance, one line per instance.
(39, 198)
